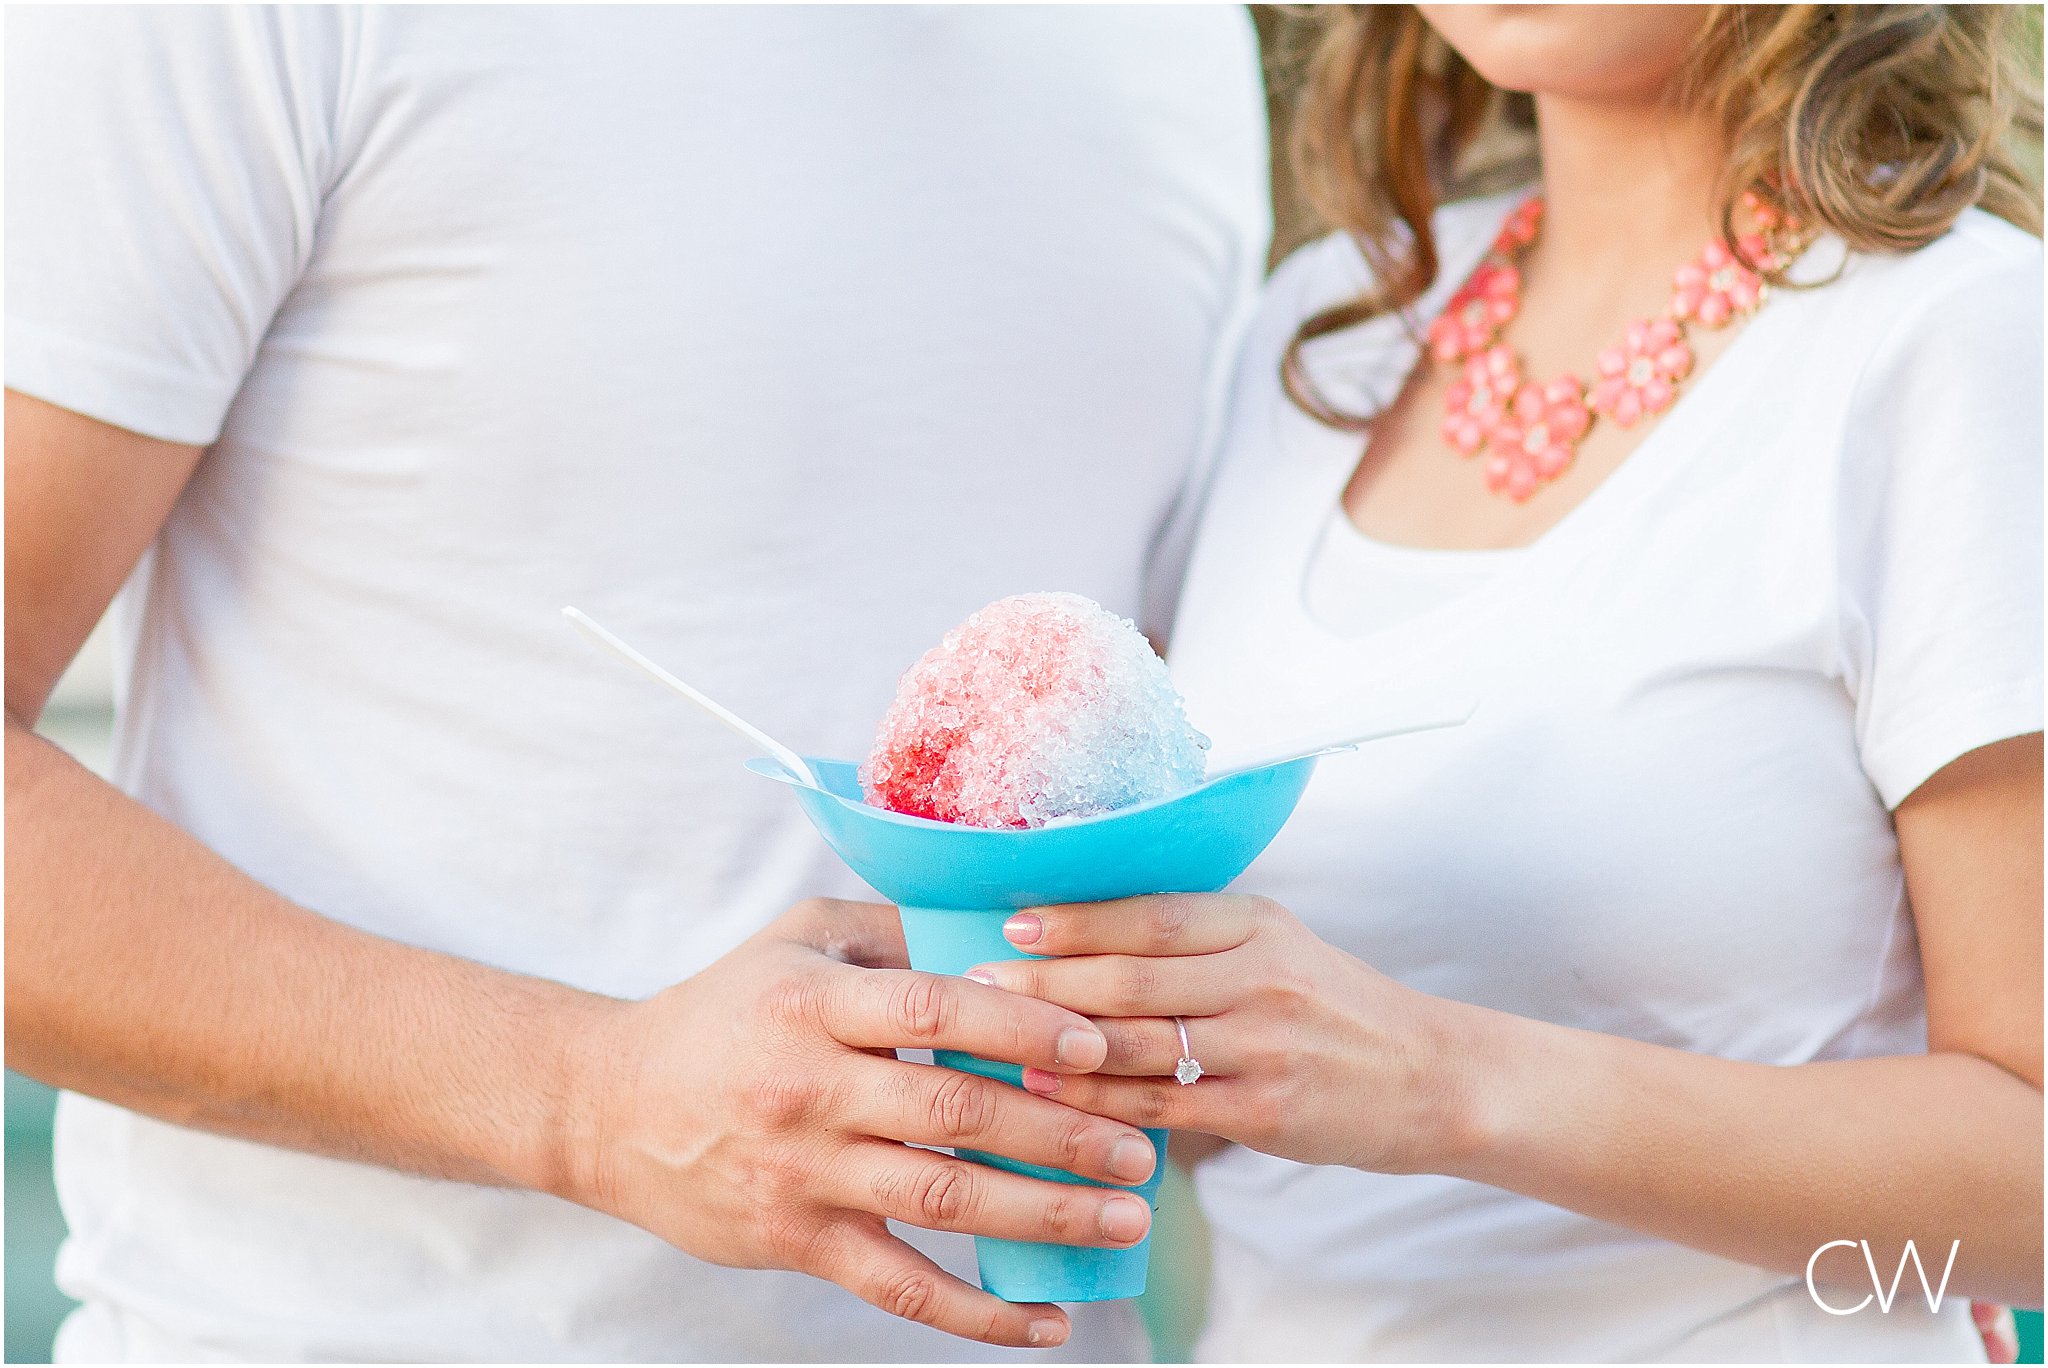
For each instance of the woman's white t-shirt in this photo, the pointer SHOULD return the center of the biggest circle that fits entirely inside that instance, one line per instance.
(1814, 584)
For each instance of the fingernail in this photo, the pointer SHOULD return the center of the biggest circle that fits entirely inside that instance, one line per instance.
(1041, 1081)
(982, 976)
(1046, 1331)
(1023, 929)
(1080, 1048)
(1124, 1219)
(1131, 1159)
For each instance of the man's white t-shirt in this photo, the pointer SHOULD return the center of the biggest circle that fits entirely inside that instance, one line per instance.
(778, 339)
(1815, 583)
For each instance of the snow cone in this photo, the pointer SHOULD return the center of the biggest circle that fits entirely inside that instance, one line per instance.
(1037, 708)
(1038, 755)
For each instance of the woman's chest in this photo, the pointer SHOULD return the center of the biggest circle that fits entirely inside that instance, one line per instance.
(1698, 861)
(1656, 824)
(1492, 451)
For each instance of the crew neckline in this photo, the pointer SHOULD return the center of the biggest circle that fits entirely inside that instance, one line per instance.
(1683, 434)
(1356, 585)
(1650, 455)
(1343, 528)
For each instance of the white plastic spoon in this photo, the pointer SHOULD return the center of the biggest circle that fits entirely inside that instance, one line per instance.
(761, 741)
(1432, 715)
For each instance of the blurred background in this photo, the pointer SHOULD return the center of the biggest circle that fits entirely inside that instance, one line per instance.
(80, 719)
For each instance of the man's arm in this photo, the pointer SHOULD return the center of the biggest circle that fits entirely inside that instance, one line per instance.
(144, 969)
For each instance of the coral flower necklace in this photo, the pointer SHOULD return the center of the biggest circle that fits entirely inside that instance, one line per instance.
(1529, 431)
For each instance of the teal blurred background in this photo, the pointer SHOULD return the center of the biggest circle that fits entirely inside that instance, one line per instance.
(34, 1305)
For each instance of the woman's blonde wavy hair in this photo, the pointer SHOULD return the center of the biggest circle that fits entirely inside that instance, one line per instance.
(1879, 123)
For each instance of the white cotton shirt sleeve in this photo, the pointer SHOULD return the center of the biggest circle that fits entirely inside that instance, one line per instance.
(1940, 532)
(139, 294)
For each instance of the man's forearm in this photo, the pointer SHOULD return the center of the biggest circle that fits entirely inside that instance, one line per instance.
(144, 969)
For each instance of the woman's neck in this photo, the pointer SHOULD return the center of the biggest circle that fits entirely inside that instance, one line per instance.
(1626, 183)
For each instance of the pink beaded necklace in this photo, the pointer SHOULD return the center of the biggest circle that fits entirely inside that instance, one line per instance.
(1530, 431)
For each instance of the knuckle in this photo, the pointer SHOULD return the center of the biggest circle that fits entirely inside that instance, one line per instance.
(1279, 1095)
(1296, 990)
(962, 1107)
(812, 909)
(811, 921)
(892, 1190)
(944, 1194)
(908, 1292)
(1130, 1040)
(1076, 1140)
(921, 1007)
(776, 1181)
(1026, 977)
(792, 1238)
(1281, 989)
(795, 1001)
(778, 1102)
(1272, 1100)
(1069, 1218)
(1172, 915)
(1133, 988)
(1266, 913)
(1155, 1107)
(1117, 1035)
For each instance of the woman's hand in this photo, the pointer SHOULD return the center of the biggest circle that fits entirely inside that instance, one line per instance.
(1313, 1056)
(1306, 1052)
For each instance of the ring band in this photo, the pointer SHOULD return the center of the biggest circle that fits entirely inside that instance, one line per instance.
(1189, 1068)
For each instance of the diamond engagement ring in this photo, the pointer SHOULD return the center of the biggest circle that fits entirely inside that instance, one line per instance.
(1188, 1070)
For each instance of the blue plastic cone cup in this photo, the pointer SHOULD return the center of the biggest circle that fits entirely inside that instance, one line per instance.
(955, 886)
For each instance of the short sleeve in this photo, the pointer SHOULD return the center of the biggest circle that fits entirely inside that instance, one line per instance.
(1940, 521)
(164, 175)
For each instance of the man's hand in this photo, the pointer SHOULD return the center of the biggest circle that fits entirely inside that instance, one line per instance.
(751, 1115)
(755, 1115)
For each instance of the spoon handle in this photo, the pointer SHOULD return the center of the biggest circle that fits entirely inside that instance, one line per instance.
(1433, 716)
(760, 740)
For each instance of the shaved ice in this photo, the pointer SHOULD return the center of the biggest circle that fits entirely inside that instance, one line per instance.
(1037, 708)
